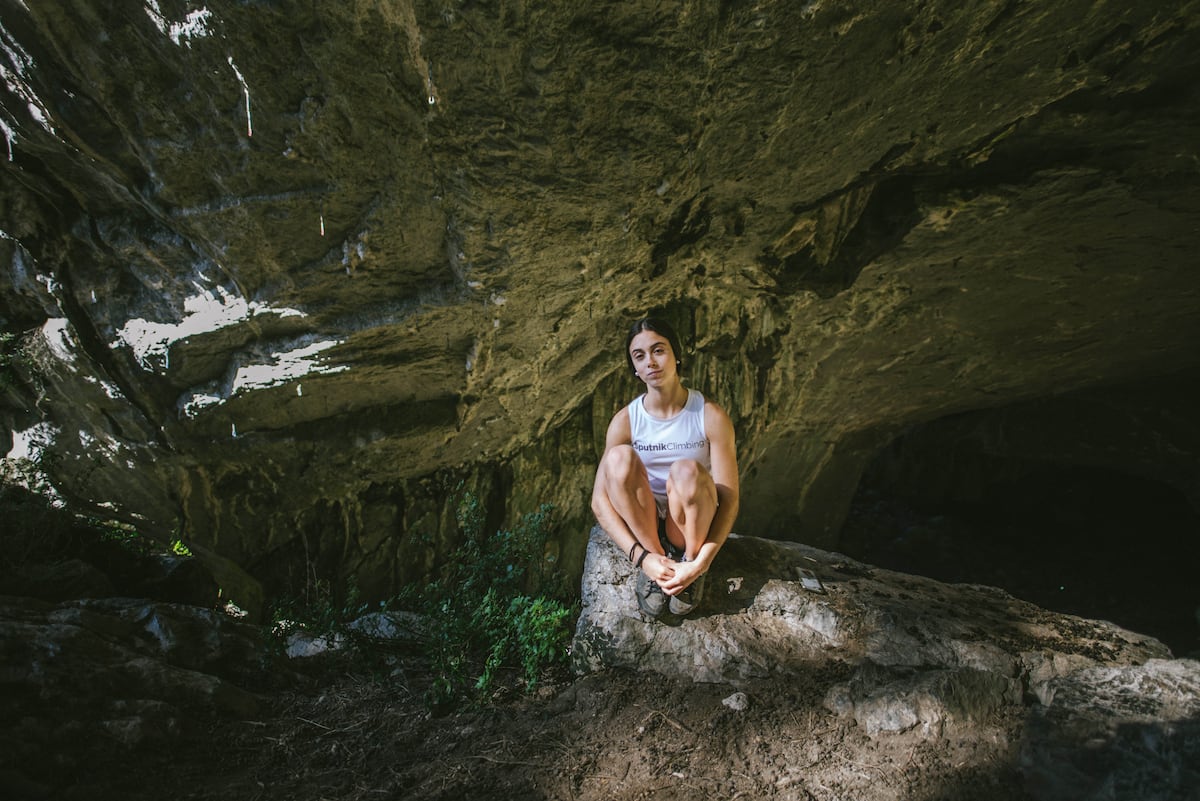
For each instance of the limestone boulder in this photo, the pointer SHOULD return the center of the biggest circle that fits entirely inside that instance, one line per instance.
(1107, 713)
(758, 619)
(84, 676)
(1129, 731)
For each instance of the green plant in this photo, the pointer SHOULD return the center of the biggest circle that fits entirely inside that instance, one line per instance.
(488, 613)
(318, 611)
(10, 356)
(124, 535)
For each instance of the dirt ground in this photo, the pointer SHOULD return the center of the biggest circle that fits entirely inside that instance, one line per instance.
(352, 734)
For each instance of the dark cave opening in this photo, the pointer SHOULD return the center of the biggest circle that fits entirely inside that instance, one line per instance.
(1084, 539)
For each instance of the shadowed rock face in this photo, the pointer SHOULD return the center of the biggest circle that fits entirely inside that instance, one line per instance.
(284, 274)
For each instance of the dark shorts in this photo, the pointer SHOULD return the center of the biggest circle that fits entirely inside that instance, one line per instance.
(669, 549)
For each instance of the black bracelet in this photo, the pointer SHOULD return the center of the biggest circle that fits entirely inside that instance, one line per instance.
(632, 548)
(641, 558)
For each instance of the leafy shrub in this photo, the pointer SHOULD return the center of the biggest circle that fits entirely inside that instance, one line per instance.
(318, 611)
(11, 356)
(487, 612)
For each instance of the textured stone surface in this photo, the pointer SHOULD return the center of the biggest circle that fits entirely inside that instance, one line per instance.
(925, 653)
(129, 669)
(1118, 732)
(285, 274)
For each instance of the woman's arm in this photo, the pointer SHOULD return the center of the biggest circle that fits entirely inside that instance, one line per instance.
(723, 452)
(654, 564)
(619, 433)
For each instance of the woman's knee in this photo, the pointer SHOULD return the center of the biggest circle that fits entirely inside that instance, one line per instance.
(688, 473)
(621, 463)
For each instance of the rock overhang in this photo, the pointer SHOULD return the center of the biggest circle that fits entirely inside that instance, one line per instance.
(860, 221)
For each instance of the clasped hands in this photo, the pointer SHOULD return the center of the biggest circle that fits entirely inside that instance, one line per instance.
(673, 577)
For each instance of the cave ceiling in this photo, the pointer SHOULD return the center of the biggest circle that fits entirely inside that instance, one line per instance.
(272, 265)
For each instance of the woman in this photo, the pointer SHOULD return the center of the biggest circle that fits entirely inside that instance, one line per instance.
(666, 490)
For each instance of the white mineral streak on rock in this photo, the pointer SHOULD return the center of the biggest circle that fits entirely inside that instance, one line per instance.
(9, 136)
(245, 91)
(57, 333)
(104, 443)
(109, 389)
(48, 282)
(286, 367)
(194, 25)
(472, 356)
(197, 402)
(14, 67)
(431, 92)
(206, 311)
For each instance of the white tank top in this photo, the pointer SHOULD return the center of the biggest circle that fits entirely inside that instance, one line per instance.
(660, 443)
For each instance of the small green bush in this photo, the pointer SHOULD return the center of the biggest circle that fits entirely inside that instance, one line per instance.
(488, 611)
(487, 614)
(11, 356)
(318, 611)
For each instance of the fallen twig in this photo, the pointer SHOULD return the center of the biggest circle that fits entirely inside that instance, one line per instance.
(666, 717)
(503, 761)
(314, 723)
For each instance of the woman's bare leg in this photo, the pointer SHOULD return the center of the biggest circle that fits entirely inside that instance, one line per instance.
(692, 501)
(626, 491)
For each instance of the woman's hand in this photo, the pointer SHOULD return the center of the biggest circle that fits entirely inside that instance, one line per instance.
(659, 567)
(683, 575)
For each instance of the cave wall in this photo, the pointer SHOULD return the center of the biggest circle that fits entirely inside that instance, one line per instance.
(282, 273)
(1086, 502)
(1148, 431)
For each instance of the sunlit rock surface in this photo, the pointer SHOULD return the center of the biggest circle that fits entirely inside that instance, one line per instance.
(1106, 713)
(282, 276)
(759, 619)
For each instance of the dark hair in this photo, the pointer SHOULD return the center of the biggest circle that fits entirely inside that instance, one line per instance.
(658, 326)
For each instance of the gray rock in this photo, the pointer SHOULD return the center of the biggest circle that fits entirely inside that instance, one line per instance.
(926, 655)
(738, 702)
(60, 581)
(399, 626)
(303, 645)
(116, 671)
(1117, 733)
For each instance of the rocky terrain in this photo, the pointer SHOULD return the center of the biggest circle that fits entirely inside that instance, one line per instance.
(862, 683)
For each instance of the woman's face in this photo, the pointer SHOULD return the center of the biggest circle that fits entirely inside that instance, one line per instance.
(653, 359)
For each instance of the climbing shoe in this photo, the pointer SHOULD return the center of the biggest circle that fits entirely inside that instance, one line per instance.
(650, 597)
(684, 602)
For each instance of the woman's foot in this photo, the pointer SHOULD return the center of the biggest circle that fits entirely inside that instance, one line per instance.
(686, 601)
(650, 597)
